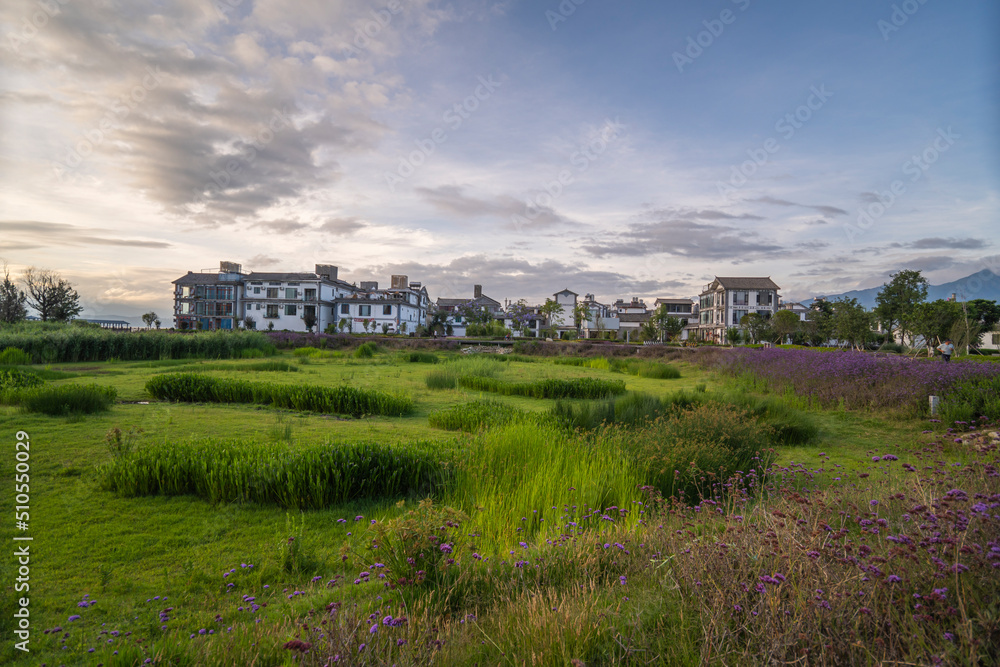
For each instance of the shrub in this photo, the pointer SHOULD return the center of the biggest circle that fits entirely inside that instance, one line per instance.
(307, 351)
(68, 399)
(12, 356)
(471, 417)
(366, 351)
(313, 477)
(443, 379)
(14, 378)
(194, 388)
(685, 455)
(972, 399)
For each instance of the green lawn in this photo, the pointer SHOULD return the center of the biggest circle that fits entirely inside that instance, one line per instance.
(123, 552)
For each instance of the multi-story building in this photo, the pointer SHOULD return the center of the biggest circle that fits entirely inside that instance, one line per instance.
(294, 301)
(601, 320)
(632, 315)
(456, 311)
(210, 299)
(725, 301)
(400, 309)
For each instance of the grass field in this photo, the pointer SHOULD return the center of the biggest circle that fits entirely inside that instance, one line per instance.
(118, 562)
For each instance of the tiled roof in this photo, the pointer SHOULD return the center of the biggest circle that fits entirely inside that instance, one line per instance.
(633, 317)
(747, 283)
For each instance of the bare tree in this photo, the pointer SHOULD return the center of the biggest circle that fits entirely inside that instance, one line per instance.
(49, 294)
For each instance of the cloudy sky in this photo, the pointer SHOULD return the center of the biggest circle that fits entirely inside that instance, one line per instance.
(628, 148)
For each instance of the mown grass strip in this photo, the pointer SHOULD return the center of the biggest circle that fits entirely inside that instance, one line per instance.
(313, 477)
(195, 388)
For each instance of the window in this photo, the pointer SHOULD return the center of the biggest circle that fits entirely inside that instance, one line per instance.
(740, 298)
(256, 290)
(291, 309)
(272, 292)
(738, 315)
(996, 339)
(364, 311)
(258, 306)
(387, 310)
(310, 295)
(345, 309)
(249, 306)
(310, 311)
(291, 293)
(271, 312)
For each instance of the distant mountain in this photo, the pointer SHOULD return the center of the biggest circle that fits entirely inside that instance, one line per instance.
(982, 285)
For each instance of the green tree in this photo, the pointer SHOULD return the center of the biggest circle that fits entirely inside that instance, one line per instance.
(309, 319)
(581, 314)
(551, 309)
(851, 322)
(149, 318)
(933, 321)
(897, 300)
(784, 323)
(249, 322)
(734, 335)
(668, 326)
(818, 326)
(756, 327)
(986, 313)
(12, 300)
(50, 295)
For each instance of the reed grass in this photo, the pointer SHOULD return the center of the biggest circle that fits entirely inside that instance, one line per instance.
(550, 388)
(441, 379)
(471, 417)
(242, 471)
(422, 358)
(195, 388)
(13, 356)
(70, 399)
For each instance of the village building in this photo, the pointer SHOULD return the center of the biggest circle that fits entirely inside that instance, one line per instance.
(725, 301)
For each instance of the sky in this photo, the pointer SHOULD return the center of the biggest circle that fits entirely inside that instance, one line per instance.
(629, 148)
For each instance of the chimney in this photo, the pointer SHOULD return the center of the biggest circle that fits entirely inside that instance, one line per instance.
(326, 271)
(399, 282)
(477, 291)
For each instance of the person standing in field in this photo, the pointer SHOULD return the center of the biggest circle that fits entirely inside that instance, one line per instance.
(946, 349)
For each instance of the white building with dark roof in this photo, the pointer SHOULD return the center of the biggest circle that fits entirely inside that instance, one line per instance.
(725, 301)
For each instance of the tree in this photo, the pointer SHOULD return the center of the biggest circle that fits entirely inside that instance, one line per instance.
(342, 324)
(149, 318)
(53, 297)
(784, 324)
(985, 312)
(550, 309)
(648, 331)
(309, 319)
(157, 323)
(581, 314)
(818, 326)
(520, 315)
(12, 300)
(756, 326)
(733, 335)
(897, 300)
(934, 321)
(249, 322)
(851, 322)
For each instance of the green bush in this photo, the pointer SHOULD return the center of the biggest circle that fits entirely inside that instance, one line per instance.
(15, 378)
(422, 358)
(366, 351)
(692, 454)
(971, 399)
(307, 351)
(313, 477)
(12, 356)
(68, 399)
(195, 388)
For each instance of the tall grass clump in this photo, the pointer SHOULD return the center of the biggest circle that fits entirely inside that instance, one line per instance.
(67, 399)
(550, 388)
(422, 358)
(471, 417)
(632, 409)
(12, 356)
(478, 365)
(687, 454)
(442, 379)
(195, 388)
(366, 350)
(241, 471)
(65, 343)
(509, 478)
